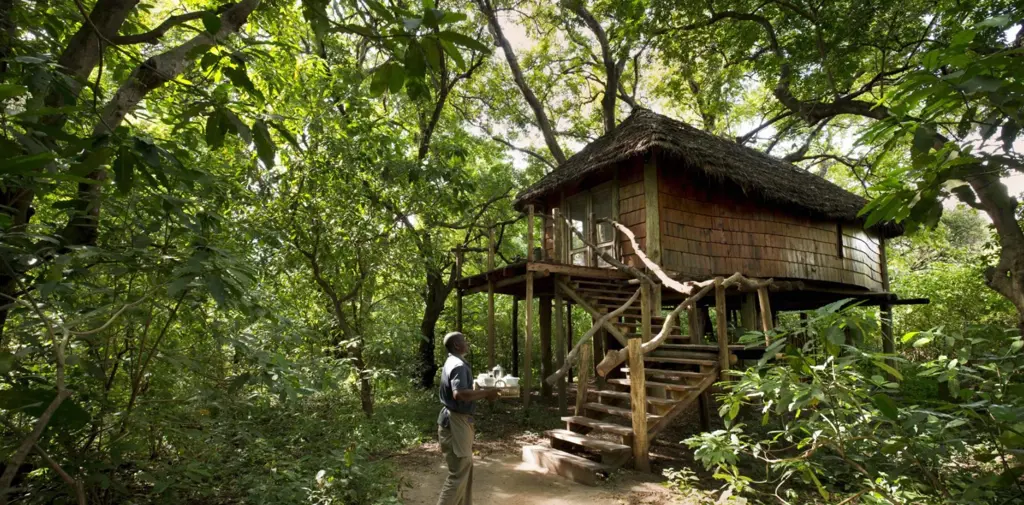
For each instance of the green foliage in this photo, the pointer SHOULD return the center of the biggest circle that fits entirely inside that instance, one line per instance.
(839, 421)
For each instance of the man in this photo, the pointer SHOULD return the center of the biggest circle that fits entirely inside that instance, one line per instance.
(455, 422)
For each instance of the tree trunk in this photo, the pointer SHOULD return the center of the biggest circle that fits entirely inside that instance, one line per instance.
(1007, 276)
(434, 301)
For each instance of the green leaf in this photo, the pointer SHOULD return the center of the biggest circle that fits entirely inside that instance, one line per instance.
(451, 17)
(892, 371)
(886, 406)
(396, 78)
(215, 129)
(454, 53)
(264, 143)
(412, 24)
(7, 362)
(11, 90)
(924, 138)
(231, 122)
(240, 78)
(177, 286)
(432, 50)
(463, 40)
(1009, 134)
(209, 60)
(216, 287)
(734, 410)
(124, 170)
(963, 38)
(211, 22)
(355, 29)
(380, 10)
(995, 22)
(28, 163)
(415, 60)
(285, 133)
(923, 341)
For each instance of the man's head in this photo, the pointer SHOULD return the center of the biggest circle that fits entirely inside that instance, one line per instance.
(455, 343)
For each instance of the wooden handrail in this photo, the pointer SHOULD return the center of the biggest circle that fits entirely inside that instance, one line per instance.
(588, 336)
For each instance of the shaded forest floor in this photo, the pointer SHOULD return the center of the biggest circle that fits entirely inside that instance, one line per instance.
(500, 477)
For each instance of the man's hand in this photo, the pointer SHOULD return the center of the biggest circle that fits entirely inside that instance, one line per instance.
(492, 394)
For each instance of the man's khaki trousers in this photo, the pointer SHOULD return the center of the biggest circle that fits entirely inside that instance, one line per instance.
(457, 447)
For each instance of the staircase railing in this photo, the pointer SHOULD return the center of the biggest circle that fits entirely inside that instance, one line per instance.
(694, 291)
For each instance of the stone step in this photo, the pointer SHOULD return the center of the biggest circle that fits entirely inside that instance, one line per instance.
(651, 384)
(612, 454)
(602, 426)
(616, 411)
(624, 395)
(570, 466)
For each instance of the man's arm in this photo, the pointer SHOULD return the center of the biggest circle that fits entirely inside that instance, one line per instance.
(462, 387)
(469, 395)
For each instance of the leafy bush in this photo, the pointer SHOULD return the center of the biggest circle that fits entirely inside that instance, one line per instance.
(840, 422)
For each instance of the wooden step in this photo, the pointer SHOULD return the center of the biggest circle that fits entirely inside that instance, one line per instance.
(635, 323)
(709, 348)
(654, 332)
(612, 454)
(661, 352)
(670, 374)
(570, 466)
(624, 395)
(602, 426)
(652, 384)
(616, 411)
(680, 361)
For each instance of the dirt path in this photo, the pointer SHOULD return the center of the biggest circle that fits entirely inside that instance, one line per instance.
(501, 478)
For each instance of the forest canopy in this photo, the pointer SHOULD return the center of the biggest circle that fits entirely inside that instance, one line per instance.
(227, 228)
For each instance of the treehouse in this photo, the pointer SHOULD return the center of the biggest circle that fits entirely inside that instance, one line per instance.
(647, 229)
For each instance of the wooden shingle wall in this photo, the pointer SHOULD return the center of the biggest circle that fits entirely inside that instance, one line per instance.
(706, 231)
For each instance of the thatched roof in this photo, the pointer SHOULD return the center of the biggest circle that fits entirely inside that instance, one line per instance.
(757, 175)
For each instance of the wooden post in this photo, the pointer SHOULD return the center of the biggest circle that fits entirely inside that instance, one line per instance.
(766, 313)
(560, 351)
(458, 298)
(568, 334)
(705, 411)
(748, 312)
(723, 329)
(586, 364)
(600, 339)
(528, 357)
(529, 233)
(591, 234)
(556, 236)
(657, 301)
(885, 310)
(638, 385)
(491, 339)
(515, 336)
(653, 219)
(545, 345)
(696, 319)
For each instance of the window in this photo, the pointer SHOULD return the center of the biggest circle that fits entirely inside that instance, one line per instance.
(583, 211)
(578, 218)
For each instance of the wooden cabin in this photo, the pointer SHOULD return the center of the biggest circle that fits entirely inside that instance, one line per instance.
(699, 207)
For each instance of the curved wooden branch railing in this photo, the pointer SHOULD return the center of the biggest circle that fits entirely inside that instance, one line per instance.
(587, 337)
(693, 291)
(615, 358)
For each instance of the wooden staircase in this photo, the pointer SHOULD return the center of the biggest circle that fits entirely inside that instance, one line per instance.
(600, 437)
